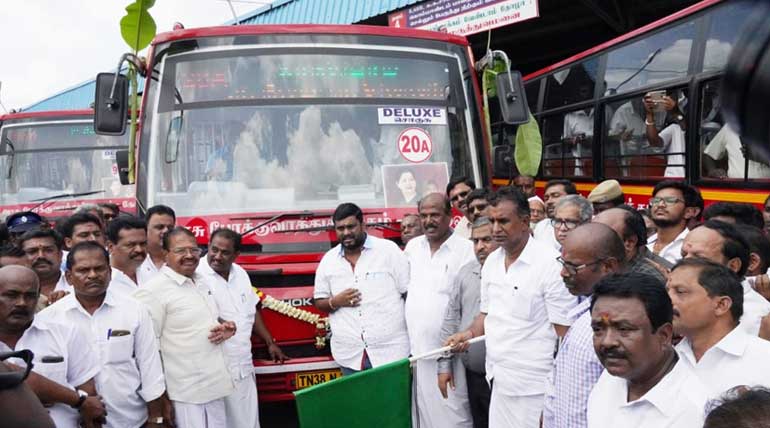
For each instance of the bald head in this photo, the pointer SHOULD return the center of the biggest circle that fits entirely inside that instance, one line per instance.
(598, 239)
(19, 275)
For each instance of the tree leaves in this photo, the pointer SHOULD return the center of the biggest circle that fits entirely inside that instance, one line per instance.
(137, 27)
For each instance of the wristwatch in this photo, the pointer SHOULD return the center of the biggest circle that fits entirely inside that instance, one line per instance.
(82, 395)
(157, 421)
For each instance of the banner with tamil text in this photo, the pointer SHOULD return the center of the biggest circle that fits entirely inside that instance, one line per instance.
(464, 17)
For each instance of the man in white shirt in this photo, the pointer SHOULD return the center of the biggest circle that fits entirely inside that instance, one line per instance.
(579, 133)
(554, 191)
(457, 192)
(708, 305)
(64, 364)
(727, 143)
(672, 205)
(130, 379)
(645, 385)
(43, 248)
(435, 259)
(361, 284)
(127, 244)
(160, 220)
(237, 301)
(188, 324)
(721, 243)
(672, 138)
(524, 307)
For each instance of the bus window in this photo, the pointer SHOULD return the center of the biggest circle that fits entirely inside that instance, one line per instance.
(659, 57)
(567, 140)
(532, 89)
(722, 157)
(571, 85)
(722, 34)
(646, 135)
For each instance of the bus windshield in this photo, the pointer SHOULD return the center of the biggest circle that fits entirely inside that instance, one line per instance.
(40, 159)
(260, 129)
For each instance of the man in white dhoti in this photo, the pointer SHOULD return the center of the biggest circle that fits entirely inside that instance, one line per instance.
(435, 260)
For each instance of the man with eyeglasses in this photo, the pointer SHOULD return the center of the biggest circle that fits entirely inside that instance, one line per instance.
(524, 307)
(111, 211)
(190, 330)
(554, 190)
(571, 211)
(237, 301)
(590, 252)
(672, 205)
(127, 244)
(457, 192)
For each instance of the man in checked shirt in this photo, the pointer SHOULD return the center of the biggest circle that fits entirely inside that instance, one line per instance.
(590, 252)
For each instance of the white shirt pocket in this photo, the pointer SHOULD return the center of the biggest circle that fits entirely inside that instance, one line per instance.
(54, 368)
(120, 349)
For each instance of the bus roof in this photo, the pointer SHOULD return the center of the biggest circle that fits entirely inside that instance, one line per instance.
(45, 114)
(620, 39)
(368, 30)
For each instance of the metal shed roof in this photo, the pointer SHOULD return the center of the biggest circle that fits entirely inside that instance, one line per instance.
(322, 11)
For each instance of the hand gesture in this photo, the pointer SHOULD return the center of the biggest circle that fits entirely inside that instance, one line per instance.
(92, 412)
(350, 297)
(221, 332)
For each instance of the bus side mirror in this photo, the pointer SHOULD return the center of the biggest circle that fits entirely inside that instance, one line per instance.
(110, 104)
(513, 99)
(121, 159)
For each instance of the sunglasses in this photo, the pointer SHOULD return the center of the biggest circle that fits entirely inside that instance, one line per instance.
(14, 378)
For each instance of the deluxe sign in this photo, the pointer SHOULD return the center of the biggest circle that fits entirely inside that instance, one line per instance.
(411, 116)
(464, 17)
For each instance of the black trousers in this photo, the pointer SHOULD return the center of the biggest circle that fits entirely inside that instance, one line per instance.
(479, 395)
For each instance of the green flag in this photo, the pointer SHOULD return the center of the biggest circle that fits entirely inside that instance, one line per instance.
(380, 397)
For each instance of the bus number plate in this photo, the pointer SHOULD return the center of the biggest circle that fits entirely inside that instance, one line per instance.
(306, 379)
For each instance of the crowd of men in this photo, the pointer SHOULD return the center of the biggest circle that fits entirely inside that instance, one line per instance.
(592, 316)
(129, 326)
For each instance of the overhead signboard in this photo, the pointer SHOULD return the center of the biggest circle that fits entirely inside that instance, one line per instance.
(464, 17)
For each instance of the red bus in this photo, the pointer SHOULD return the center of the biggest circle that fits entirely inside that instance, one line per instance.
(592, 116)
(52, 162)
(266, 129)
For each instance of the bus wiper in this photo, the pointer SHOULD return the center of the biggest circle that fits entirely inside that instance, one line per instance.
(63, 196)
(291, 214)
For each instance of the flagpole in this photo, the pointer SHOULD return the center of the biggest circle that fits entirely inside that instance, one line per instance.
(443, 350)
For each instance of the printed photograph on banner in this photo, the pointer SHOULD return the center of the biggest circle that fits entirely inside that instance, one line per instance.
(405, 184)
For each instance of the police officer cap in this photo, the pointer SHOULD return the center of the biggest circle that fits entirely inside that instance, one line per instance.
(23, 221)
(605, 191)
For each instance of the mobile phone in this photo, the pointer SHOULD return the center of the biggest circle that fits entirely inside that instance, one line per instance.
(656, 96)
